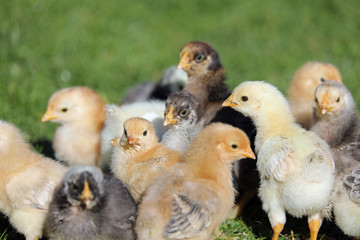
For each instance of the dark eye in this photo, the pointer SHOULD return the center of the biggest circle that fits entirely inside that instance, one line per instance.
(64, 109)
(74, 186)
(338, 100)
(316, 100)
(234, 146)
(125, 132)
(322, 80)
(244, 98)
(145, 133)
(184, 112)
(199, 58)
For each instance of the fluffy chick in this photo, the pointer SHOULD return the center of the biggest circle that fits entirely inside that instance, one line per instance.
(302, 88)
(89, 206)
(117, 115)
(138, 157)
(173, 80)
(27, 182)
(337, 122)
(184, 115)
(296, 167)
(191, 200)
(81, 113)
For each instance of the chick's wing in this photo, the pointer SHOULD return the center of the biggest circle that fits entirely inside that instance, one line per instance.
(188, 218)
(352, 185)
(278, 157)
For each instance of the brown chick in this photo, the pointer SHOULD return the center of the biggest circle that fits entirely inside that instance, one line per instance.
(302, 88)
(207, 82)
(138, 157)
(81, 113)
(27, 182)
(195, 196)
(206, 75)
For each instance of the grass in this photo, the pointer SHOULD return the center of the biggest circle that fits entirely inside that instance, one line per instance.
(110, 46)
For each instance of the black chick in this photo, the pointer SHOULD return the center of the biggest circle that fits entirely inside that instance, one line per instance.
(173, 80)
(89, 206)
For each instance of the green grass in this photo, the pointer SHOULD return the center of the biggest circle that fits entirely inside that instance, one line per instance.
(110, 46)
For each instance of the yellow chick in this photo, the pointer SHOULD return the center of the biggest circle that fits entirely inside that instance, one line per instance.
(302, 88)
(138, 157)
(27, 182)
(192, 199)
(296, 167)
(81, 113)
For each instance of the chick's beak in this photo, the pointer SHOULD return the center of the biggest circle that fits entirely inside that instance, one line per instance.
(48, 116)
(169, 117)
(184, 62)
(324, 106)
(115, 141)
(86, 195)
(229, 102)
(249, 153)
(133, 141)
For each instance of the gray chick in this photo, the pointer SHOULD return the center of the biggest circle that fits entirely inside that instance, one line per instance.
(184, 115)
(337, 122)
(88, 206)
(173, 80)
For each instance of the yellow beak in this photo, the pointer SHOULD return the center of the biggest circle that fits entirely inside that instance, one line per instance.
(324, 106)
(184, 61)
(229, 102)
(48, 116)
(86, 195)
(169, 117)
(249, 153)
(115, 141)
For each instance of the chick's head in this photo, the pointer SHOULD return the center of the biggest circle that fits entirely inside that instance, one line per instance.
(83, 186)
(311, 75)
(331, 99)
(257, 99)
(182, 108)
(139, 135)
(198, 58)
(74, 104)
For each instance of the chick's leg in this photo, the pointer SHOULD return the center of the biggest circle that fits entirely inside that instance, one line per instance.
(277, 230)
(314, 225)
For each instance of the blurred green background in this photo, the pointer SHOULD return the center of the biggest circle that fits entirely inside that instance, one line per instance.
(46, 45)
(110, 46)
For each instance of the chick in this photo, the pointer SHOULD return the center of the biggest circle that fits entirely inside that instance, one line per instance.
(184, 115)
(207, 82)
(88, 205)
(81, 113)
(296, 167)
(138, 157)
(302, 88)
(27, 182)
(337, 122)
(173, 80)
(117, 115)
(195, 196)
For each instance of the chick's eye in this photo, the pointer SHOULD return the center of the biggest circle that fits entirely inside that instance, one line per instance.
(244, 98)
(199, 58)
(234, 146)
(338, 100)
(125, 132)
(64, 110)
(184, 112)
(145, 133)
(322, 79)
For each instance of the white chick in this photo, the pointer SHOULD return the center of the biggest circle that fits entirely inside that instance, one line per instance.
(27, 182)
(117, 115)
(302, 88)
(337, 122)
(296, 167)
(81, 113)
